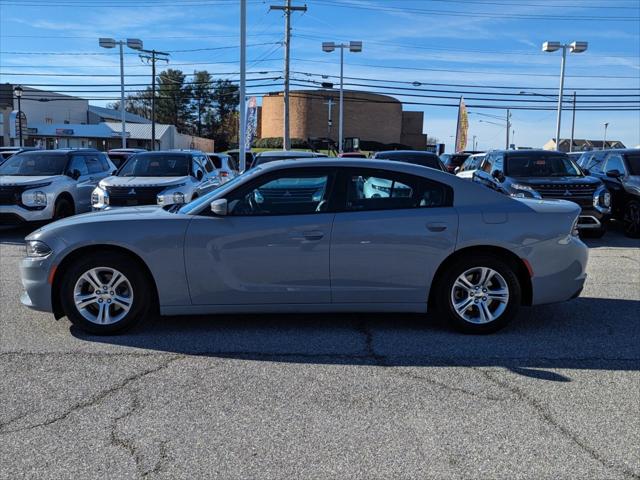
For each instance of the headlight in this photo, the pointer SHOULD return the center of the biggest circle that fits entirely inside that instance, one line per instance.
(99, 196)
(524, 191)
(602, 198)
(36, 248)
(381, 188)
(34, 198)
(178, 197)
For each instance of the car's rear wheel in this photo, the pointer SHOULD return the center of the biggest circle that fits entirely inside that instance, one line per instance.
(104, 294)
(631, 219)
(479, 294)
(62, 209)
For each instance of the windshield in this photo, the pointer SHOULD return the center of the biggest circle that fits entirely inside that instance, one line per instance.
(633, 161)
(34, 164)
(155, 165)
(552, 165)
(196, 204)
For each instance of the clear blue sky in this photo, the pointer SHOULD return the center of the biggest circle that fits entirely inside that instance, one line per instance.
(468, 42)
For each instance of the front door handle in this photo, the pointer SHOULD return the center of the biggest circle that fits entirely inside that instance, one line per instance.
(437, 227)
(313, 235)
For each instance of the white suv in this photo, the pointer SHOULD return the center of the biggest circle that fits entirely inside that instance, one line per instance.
(157, 178)
(49, 184)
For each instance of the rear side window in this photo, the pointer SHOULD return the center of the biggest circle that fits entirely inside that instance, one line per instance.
(370, 189)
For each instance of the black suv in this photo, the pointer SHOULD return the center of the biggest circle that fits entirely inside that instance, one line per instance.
(548, 174)
(619, 169)
(416, 157)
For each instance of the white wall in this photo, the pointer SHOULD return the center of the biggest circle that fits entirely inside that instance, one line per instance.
(63, 109)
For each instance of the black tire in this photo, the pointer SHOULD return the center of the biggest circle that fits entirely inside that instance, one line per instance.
(445, 291)
(62, 209)
(631, 219)
(138, 281)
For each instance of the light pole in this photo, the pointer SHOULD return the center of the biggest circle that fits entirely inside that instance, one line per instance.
(135, 44)
(573, 121)
(242, 156)
(330, 47)
(574, 47)
(604, 141)
(17, 91)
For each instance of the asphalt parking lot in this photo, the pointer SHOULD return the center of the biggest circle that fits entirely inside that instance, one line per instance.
(555, 395)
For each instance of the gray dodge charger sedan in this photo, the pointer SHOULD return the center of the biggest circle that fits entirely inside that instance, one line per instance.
(312, 236)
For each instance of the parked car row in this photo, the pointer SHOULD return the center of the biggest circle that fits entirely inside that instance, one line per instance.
(41, 185)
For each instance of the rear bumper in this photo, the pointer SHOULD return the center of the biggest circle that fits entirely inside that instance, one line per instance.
(559, 270)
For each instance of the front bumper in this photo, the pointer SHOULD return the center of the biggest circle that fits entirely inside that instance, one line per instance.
(593, 218)
(35, 280)
(17, 215)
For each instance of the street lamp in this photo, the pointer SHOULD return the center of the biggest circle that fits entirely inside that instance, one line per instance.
(328, 47)
(17, 91)
(135, 44)
(604, 141)
(574, 47)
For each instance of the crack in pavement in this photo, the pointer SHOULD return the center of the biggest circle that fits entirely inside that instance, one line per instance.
(547, 417)
(118, 440)
(92, 400)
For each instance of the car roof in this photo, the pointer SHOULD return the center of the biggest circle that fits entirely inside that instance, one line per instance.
(287, 153)
(405, 152)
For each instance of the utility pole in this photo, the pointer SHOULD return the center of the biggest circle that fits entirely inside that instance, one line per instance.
(243, 87)
(573, 122)
(474, 142)
(152, 56)
(508, 127)
(604, 140)
(287, 8)
(329, 104)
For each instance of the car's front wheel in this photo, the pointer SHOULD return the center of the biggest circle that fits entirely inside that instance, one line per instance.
(631, 219)
(479, 294)
(105, 294)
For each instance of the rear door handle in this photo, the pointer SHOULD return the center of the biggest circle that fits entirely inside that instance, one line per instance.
(437, 227)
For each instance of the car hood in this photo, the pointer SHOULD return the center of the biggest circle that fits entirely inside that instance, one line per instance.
(6, 180)
(533, 181)
(143, 181)
(124, 213)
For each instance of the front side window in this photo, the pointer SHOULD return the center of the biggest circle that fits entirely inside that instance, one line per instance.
(34, 164)
(488, 164)
(633, 162)
(615, 162)
(78, 164)
(285, 194)
(384, 190)
(93, 164)
(155, 165)
(216, 160)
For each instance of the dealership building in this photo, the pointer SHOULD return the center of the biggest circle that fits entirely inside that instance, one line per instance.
(54, 120)
(367, 116)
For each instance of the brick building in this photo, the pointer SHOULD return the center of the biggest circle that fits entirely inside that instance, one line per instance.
(367, 116)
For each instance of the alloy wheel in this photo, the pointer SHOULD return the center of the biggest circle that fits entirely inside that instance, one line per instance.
(631, 219)
(480, 295)
(103, 295)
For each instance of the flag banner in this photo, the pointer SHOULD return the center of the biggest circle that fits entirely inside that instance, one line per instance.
(252, 123)
(463, 127)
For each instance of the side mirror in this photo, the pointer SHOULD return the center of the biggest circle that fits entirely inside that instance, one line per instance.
(456, 170)
(114, 172)
(75, 174)
(497, 174)
(614, 174)
(220, 207)
(585, 171)
(199, 175)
